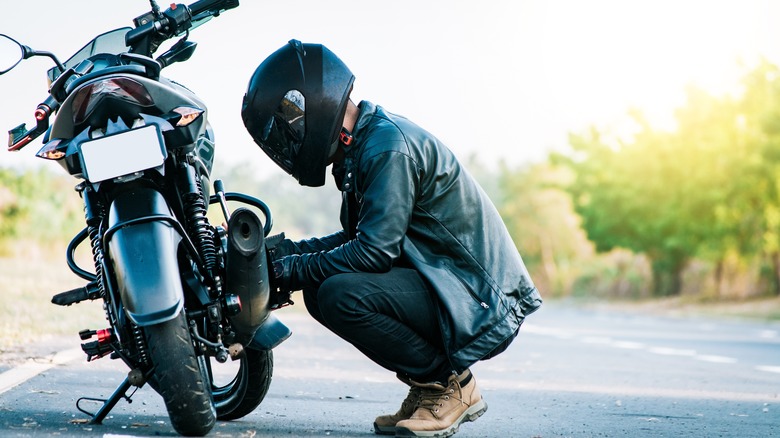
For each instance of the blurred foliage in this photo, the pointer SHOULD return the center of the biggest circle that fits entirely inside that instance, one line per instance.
(299, 212)
(37, 207)
(540, 218)
(707, 191)
(694, 210)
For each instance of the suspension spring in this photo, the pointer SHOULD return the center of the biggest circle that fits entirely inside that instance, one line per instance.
(96, 242)
(198, 225)
(93, 211)
(140, 345)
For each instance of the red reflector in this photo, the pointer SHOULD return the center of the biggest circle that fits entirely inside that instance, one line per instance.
(104, 336)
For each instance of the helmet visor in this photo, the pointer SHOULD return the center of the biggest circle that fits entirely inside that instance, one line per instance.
(283, 134)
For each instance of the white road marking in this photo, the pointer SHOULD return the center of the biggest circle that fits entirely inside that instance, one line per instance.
(769, 368)
(631, 345)
(628, 345)
(629, 390)
(596, 340)
(715, 359)
(32, 368)
(548, 331)
(672, 351)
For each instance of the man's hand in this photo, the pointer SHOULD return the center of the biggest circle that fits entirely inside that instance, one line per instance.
(280, 294)
(276, 247)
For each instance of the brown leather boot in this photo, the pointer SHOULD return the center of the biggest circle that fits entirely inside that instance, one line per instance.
(385, 424)
(442, 409)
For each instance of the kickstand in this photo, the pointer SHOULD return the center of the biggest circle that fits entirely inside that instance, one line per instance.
(108, 404)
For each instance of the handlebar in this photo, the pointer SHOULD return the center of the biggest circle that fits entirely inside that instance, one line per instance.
(214, 7)
(175, 20)
(151, 30)
(147, 37)
(20, 137)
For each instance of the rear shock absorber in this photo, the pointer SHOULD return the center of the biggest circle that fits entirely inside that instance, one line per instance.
(93, 210)
(140, 345)
(195, 209)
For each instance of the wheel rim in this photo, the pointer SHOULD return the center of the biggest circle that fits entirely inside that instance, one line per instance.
(227, 397)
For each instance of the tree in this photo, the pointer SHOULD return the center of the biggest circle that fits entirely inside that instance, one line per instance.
(758, 211)
(540, 218)
(652, 194)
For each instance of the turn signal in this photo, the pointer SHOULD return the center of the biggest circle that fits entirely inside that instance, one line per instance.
(188, 114)
(49, 151)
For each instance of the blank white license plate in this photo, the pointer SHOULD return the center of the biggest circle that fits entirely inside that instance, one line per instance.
(122, 154)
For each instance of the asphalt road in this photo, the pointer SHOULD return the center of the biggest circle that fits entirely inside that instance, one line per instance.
(570, 373)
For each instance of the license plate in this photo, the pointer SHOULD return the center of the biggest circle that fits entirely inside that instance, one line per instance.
(122, 154)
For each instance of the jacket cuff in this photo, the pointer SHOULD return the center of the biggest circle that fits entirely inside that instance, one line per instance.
(280, 281)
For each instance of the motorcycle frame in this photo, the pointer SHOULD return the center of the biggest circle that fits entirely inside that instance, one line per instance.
(270, 334)
(113, 236)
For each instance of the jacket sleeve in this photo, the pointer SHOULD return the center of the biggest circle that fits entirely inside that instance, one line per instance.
(389, 183)
(315, 244)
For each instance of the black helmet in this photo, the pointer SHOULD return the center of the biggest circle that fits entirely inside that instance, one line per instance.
(294, 108)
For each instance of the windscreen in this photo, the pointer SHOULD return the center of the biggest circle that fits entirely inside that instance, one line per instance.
(110, 42)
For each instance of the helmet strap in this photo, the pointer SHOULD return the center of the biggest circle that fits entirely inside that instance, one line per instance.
(345, 137)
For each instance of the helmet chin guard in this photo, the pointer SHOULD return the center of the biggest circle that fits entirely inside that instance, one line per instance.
(294, 108)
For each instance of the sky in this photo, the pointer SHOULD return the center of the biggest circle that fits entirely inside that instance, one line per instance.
(502, 80)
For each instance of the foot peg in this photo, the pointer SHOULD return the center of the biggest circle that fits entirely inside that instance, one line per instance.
(89, 292)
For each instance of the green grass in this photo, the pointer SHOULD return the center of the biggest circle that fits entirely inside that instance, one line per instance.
(26, 312)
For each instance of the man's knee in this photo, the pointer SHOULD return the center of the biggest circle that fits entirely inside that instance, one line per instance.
(312, 304)
(340, 297)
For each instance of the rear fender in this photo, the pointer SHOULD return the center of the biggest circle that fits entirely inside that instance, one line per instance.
(142, 242)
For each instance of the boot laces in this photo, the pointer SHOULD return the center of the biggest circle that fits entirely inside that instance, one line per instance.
(412, 399)
(433, 400)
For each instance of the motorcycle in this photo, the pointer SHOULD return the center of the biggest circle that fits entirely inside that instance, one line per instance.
(181, 296)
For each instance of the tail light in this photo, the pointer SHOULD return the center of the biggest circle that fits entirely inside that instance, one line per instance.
(90, 96)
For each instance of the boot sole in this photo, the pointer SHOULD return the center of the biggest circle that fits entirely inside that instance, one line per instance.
(384, 430)
(471, 414)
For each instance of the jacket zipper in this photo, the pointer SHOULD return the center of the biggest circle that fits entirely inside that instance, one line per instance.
(474, 296)
(483, 304)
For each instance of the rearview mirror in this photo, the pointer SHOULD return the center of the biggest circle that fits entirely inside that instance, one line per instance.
(11, 52)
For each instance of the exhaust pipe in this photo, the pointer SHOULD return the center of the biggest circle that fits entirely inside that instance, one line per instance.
(246, 268)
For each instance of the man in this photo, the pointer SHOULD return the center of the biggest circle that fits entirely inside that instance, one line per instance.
(424, 278)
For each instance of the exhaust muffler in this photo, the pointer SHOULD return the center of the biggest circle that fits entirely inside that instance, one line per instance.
(246, 268)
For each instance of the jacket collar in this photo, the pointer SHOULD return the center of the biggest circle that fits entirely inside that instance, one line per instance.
(344, 173)
(367, 111)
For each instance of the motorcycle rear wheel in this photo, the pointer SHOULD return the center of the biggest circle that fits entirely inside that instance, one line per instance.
(248, 388)
(178, 378)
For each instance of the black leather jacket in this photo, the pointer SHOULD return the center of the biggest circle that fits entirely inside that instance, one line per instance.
(407, 201)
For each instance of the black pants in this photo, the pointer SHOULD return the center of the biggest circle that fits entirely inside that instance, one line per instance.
(390, 317)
